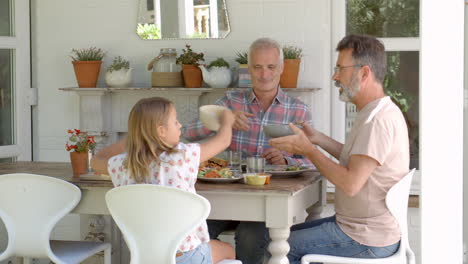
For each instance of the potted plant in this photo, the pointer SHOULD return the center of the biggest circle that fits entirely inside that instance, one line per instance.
(119, 73)
(292, 62)
(190, 71)
(218, 74)
(79, 144)
(87, 65)
(244, 75)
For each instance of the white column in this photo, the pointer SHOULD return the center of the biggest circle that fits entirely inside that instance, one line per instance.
(441, 131)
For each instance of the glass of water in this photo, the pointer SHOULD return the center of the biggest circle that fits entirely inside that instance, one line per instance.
(235, 158)
(255, 165)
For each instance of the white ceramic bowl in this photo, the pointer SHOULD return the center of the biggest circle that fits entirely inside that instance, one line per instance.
(277, 130)
(210, 115)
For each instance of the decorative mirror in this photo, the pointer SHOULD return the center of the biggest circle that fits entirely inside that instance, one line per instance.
(182, 19)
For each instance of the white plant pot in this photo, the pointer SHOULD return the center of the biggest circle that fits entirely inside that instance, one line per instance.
(120, 78)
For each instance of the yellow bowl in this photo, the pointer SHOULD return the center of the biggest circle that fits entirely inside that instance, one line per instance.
(256, 178)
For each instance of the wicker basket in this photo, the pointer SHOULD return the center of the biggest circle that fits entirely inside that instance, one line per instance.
(167, 79)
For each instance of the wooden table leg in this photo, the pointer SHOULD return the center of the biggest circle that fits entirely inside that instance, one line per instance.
(279, 246)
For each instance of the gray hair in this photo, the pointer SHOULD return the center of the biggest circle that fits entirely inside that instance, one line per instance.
(367, 50)
(266, 43)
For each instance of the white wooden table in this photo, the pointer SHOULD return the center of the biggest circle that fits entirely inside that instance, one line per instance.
(280, 204)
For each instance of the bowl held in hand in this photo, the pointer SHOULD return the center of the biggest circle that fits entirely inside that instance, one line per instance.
(210, 115)
(277, 130)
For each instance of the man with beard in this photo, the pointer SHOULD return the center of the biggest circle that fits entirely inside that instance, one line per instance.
(374, 157)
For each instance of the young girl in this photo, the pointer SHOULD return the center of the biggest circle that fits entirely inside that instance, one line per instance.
(154, 155)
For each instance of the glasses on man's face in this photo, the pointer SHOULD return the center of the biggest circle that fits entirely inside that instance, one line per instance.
(337, 69)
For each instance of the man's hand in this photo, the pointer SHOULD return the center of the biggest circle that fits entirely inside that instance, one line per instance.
(313, 135)
(242, 121)
(274, 156)
(298, 143)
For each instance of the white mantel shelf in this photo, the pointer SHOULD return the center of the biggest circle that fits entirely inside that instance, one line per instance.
(104, 111)
(202, 89)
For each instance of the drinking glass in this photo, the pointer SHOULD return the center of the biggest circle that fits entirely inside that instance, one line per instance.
(255, 165)
(235, 160)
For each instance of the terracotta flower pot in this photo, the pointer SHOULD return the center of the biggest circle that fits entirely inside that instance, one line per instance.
(87, 73)
(192, 76)
(290, 73)
(79, 161)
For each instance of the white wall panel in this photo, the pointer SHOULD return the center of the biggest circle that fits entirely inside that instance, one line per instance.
(60, 25)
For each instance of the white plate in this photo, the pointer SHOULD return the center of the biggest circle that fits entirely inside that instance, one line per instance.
(280, 170)
(220, 180)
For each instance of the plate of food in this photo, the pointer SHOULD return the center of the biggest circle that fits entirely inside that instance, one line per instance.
(287, 170)
(218, 175)
(215, 170)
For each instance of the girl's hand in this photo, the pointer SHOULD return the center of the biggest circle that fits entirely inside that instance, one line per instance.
(228, 118)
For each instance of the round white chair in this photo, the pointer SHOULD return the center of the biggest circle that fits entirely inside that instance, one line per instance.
(154, 219)
(30, 207)
(397, 203)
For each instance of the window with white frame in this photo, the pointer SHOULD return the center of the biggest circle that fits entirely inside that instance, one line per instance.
(15, 110)
(396, 24)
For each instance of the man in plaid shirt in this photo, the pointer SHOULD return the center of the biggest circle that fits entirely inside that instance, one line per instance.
(265, 104)
(255, 108)
(249, 137)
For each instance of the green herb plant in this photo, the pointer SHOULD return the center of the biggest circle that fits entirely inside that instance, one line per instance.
(242, 57)
(90, 54)
(220, 62)
(291, 52)
(118, 63)
(188, 56)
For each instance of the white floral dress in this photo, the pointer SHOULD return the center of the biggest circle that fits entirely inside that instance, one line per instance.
(178, 170)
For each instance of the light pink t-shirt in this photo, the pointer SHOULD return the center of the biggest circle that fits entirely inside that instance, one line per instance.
(379, 132)
(178, 170)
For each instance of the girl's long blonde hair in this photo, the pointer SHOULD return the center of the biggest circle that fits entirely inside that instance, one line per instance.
(143, 142)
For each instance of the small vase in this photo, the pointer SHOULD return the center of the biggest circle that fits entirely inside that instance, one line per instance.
(192, 76)
(79, 161)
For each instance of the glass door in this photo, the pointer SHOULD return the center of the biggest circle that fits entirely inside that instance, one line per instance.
(15, 87)
(396, 24)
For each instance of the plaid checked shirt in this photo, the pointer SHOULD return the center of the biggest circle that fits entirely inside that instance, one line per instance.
(283, 110)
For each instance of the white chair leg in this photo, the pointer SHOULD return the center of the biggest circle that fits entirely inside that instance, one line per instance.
(27, 260)
(107, 255)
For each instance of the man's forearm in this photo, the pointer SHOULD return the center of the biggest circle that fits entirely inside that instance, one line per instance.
(298, 160)
(330, 145)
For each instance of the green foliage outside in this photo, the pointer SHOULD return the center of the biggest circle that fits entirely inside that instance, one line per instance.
(386, 18)
(90, 54)
(392, 84)
(148, 31)
(118, 63)
(383, 18)
(219, 62)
